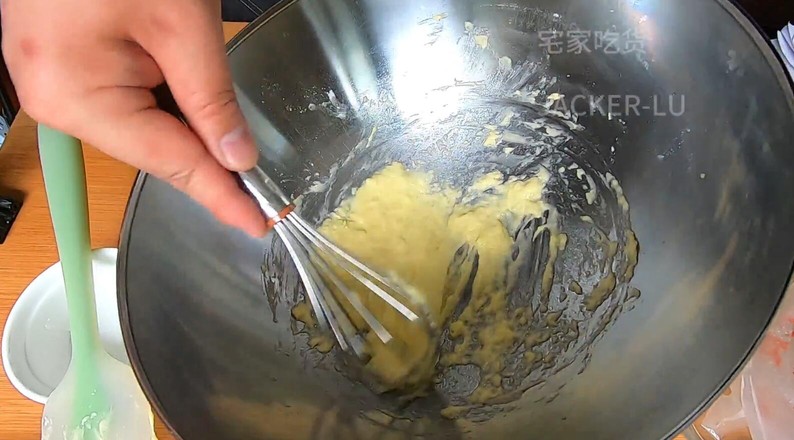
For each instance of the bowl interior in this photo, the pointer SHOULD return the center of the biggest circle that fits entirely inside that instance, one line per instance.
(683, 103)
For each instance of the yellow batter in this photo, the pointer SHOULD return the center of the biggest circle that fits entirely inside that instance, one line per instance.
(404, 225)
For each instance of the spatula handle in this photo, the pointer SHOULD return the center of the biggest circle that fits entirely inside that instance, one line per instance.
(65, 183)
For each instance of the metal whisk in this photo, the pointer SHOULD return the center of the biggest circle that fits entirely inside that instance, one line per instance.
(314, 255)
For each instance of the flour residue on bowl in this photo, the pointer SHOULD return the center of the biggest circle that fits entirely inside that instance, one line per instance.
(404, 225)
(501, 214)
(474, 254)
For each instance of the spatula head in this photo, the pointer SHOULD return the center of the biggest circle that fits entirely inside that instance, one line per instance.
(104, 402)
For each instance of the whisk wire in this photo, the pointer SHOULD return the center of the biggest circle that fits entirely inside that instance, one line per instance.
(326, 273)
(323, 310)
(353, 299)
(349, 261)
(316, 259)
(344, 330)
(312, 290)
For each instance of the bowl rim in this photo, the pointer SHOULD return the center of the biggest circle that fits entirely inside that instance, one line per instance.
(732, 7)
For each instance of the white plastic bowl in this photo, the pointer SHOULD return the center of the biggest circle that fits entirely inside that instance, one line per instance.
(36, 345)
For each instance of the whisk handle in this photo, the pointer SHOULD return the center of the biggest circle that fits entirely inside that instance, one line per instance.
(272, 200)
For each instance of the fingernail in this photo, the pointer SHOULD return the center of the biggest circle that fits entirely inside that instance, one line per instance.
(237, 148)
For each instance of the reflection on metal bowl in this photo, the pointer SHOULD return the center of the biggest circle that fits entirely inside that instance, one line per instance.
(664, 124)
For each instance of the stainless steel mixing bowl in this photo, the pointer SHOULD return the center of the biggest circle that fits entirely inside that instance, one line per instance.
(708, 185)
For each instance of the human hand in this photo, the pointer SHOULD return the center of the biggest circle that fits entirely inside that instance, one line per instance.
(87, 68)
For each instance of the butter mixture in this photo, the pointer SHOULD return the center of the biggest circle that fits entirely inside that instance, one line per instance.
(405, 225)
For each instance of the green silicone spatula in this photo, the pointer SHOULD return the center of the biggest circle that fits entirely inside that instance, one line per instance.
(99, 398)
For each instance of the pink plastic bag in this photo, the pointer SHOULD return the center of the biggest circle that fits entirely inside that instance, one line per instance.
(761, 399)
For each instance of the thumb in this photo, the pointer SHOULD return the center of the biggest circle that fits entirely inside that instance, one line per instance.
(193, 60)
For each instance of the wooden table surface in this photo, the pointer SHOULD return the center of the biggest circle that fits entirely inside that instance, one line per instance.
(30, 247)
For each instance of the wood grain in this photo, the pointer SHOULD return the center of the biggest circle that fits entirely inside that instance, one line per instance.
(30, 247)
